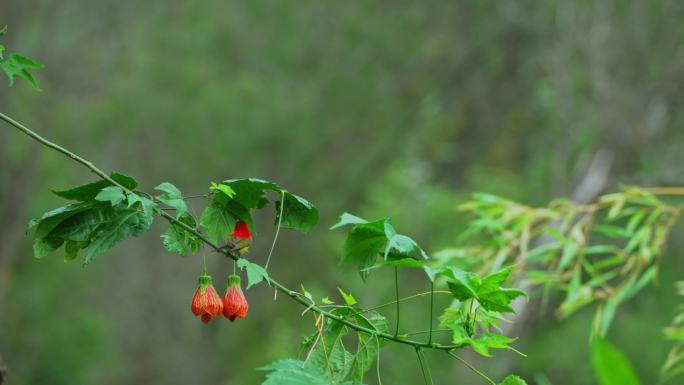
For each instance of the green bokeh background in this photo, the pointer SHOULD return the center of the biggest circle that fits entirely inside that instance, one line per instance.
(379, 108)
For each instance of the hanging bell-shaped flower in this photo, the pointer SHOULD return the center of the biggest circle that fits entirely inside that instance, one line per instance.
(206, 302)
(234, 302)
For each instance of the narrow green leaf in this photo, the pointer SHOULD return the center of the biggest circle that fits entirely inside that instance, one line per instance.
(348, 298)
(611, 366)
(88, 191)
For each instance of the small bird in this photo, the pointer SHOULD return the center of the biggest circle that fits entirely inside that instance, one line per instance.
(239, 241)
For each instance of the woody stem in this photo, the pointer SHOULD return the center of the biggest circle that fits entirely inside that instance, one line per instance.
(278, 286)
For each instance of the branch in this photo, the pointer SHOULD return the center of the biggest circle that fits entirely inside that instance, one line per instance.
(278, 286)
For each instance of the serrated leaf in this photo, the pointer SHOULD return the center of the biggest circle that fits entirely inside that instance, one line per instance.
(111, 194)
(298, 213)
(87, 192)
(218, 221)
(363, 244)
(487, 341)
(116, 225)
(255, 273)
(222, 188)
(179, 240)
(172, 198)
(147, 204)
(250, 192)
(401, 244)
(348, 298)
(294, 372)
(463, 284)
(18, 65)
(45, 224)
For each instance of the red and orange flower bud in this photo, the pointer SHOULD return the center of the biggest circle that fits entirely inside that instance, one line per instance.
(206, 302)
(234, 302)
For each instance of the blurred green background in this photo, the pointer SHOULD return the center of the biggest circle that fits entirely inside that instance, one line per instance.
(379, 108)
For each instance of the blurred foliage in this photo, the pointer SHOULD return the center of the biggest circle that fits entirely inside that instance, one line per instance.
(605, 251)
(351, 104)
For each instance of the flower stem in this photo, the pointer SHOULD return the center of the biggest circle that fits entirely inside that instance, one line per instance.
(396, 291)
(432, 306)
(275, 237)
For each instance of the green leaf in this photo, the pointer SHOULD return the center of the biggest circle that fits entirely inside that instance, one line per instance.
(330, 354)
(172, 198)
(45, 224)
(611, 231)
(112, 194)
(250, 192)
(147, 205)
(513, 380)
(348, 219)
(89, 191)
(487, 341)
(224, 189)
(72, 248)
(298, 213)
(348, 298)
(115, 225)
(498, 299)
(397, 261)
(218, 221)
(363, 244)
(463, 284)
(294, 372)
(401, 244)
(611, 366)
(18, 65)
(179, 240)
(255, 273)
(42, 247)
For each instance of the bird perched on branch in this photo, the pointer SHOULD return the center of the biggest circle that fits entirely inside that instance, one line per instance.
(239, 241)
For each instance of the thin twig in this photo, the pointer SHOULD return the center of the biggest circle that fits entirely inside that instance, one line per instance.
(471, 367)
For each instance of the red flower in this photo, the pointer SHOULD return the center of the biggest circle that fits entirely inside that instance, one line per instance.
(234, 302)
(206, 302)
(241, 231)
